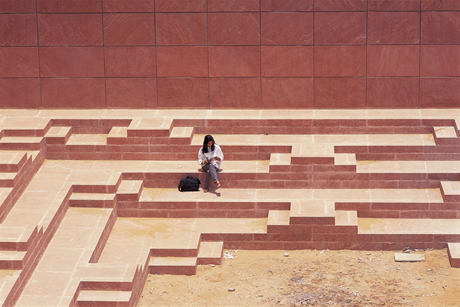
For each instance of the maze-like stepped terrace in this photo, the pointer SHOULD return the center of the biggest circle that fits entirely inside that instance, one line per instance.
(89, 203)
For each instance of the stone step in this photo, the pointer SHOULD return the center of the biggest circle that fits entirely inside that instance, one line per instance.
(87, 139)
(12, 161)
(11, 260)
(90, 298)
(454, 254)
(95, 200)
(398, 226)
(210, 253)
(278, 217)
(346, 218)
(280, 159)
(181, 135)
(8, 180)
(21, 143)
(445, 132)
(58, 135)
(313, 212)
(130, 190)
(173, 265)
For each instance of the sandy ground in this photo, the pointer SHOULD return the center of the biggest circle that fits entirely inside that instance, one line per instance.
(311, 278)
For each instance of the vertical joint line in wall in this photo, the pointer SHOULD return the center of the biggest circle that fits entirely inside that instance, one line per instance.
(156, 47)
(420, 61)
(38, 52)
(208, 54)
(313, 55)
(260, 53)
(103, 54)
(365, 56)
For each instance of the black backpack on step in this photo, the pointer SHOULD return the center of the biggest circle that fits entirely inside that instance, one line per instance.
(189, 183)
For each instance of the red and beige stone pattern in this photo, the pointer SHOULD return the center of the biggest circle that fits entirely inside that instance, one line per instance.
(89, 203)
(211, 54)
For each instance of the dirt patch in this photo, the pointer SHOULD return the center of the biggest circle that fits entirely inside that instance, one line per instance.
(311, 278)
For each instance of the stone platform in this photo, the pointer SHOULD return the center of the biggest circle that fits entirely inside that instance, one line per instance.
(89, 203)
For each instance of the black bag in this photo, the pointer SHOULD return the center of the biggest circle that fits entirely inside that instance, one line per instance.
(189, 183)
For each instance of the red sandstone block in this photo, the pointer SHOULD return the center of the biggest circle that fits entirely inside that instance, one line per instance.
(394, 5)
(73, 93)
(340, 5)
(289, 229)
(183, 93)
(18, 30)
(336, 28)
(234, 61)
(287, 93)
(180, 5)
(287, 5)
(139, 93)
(117, 6)
(393, 92)
(287, 61)
(130, 61)
(19, 62)
(70, 29)
(352, 206)
(340, 92)
(233, 5)
(340, 238)
(440, 28)
(235, 93)
(440, 60)
(446, 238)
(445, 206)
(25, 6)
(429, 214)
(182, 61)
(20, 92)
(312, 220)
(234, 28)
(287, 28)
(441, 5)
(173, 270)
(397, 60)
(68, 6)
(340, 61)
(379, 214)
(332, 229)
(181, 29)
(393, 28)
(173, 252)
(129, 29)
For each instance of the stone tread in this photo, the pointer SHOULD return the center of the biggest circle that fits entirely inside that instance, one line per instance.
(408, 226)
(181, 132)
(58, 132)
(454, 250)
(12, 255)
(210, 250)
(451, 187)
(104, 296)
(346, 218)
(278, 217)
(445, 132)
(173, 261)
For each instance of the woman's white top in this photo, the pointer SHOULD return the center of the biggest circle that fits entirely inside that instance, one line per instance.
(217, 152)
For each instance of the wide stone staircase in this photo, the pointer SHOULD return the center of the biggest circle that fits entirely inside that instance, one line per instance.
(89, 204)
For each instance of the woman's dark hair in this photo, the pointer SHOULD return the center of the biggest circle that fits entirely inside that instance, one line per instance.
(208, 139)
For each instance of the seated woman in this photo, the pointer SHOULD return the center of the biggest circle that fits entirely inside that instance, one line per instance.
(210, 156)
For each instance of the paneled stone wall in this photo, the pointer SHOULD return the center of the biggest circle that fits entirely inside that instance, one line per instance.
(230, 54)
